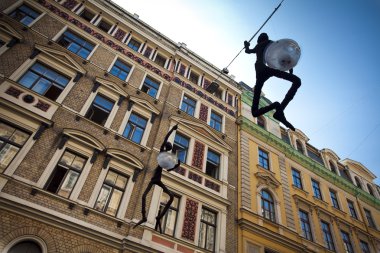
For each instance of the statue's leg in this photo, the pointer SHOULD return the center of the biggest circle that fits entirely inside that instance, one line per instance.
(256, 112)
(296, 83)
(167, 206)
(143, 211)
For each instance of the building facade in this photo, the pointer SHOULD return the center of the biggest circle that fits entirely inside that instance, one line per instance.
(87, 93)
(296, 198)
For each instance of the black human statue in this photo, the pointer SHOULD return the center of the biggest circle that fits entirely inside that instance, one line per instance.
(263, 73)
(156, 180)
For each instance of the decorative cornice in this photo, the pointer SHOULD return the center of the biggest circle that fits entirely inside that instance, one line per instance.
(306, 162)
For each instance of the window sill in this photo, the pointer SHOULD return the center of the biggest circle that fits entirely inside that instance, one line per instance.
(321, 201)
(339, 211)
(300, 190)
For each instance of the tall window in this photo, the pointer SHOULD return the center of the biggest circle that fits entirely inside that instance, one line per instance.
(267, 206)
(358, 184)
(26, 246)
(299, 146)
(181, 146)
(121, 70)
(87, 15)
(160, 60)
(76, 44)
(332, 167)
(134, 44)
(347, 242)
(11, 141)
(111, 193)
(297, 178)
(345, 174)
(351, 207)
(370, 191)
(261, 122)
(44, 81)
(100, 109)
(188, 105)
(169, 221)
(213, 164)
(263, 159)
(24, 14)
(104, 26)
(216, 121)
(194, 77)
(66, 174)
(316, 189)
(334, 199)
(364, 247)
(370, 220)
(305, 225)
(135, 128)
(150, 86)
(327, 236)
(207, 230)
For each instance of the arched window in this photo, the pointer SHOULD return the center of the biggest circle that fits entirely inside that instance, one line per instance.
(299, 146)
(267, 205)
(26, 247)
(370, 190)
(358, 184)
(261, 122)
(332, 167)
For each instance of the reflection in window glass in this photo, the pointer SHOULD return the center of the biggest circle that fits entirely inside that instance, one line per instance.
(135, 128)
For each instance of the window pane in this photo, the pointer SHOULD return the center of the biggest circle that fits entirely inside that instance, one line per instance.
(114, 202)
(111, 178)
(6, 130)
(121, 181)
(28, 79)
(41, 86)
(19, 137)
(67, 158)
(78, 163)
(103, 197)
(68, 184)
(7, 153)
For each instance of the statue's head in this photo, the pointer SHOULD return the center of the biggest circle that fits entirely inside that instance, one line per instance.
(168, 146)
(262, 37)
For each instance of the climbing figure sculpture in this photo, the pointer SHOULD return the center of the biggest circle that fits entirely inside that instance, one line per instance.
(263, 73)
(166, 151)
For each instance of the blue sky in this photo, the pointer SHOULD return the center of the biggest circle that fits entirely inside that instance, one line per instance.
(337, 106)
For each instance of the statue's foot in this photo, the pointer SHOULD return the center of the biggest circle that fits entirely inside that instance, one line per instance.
(280, 116)
(158, 225)
(140, 222)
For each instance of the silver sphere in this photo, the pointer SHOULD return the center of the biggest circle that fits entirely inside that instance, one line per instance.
(282, 54)
(167, 160)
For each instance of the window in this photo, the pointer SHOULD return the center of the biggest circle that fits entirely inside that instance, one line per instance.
(332, 167)
(316, 189)
(263, 159)
(44, 81)
(299, 146)
(351, 207)
(370, 191)
(194, 77)
(26, 246)
(347, 242)
(134, 44)
(111, 193)
(100, 109)
(261, 122)
(267, 206)
(345, 174)
(188, 105)
(76, 44)
(358, 184)
(87, 15)
(24, 14)
(327, 236)
(216, 121)
(169, 221)
(297, 182)
(66, 174)
(181, 147)
(213, 164)
(150, 86)
(370, 220)
(121, 70)
(305, 225)
(160, 60)
(219, 93)
(11, 141)
(334, 199)
(207, 230)
(364, 247)
(135, 128)
(104, 26)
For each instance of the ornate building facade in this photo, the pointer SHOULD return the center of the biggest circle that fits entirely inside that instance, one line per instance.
(296, 198)
(87, 93)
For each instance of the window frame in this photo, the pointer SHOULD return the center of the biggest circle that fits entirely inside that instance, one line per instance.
(352, 209)
(297, 181)
(154, 80)
(125, 63)
(364, 249)
(85, 38)
(370, 221)
(211, 124)
(307, 233)
(133, 130)
(218, 169)
(100, 94)
(327, 236)
(348, 247)
(17, 5)
(163, 57)
(194, 73)
(133, 40)
(264, 165)
(271, 204)
(165, 217)
(187, 105)
(334, 199)
(317, 192)
(207, 224)
(187, 152)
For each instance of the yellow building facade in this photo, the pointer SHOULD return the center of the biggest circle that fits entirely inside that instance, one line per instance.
(295, 198)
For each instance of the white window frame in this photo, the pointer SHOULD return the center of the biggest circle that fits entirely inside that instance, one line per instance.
(6, 38)
(125, 170)
(197, 104)
(117, 57)
(135, 38)
(33, 238)
(163, 55)
(210, 110)
(161, 83)
(277, 206)
(76, 147)
(102, 91)
(101, 18)
(17, 4)
(78, 12)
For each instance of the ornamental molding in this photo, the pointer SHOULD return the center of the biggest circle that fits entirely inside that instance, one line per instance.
(145, 104)
(125, 157)
(84, 138)
(8, 29)
(111, 85)
(266, 178)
